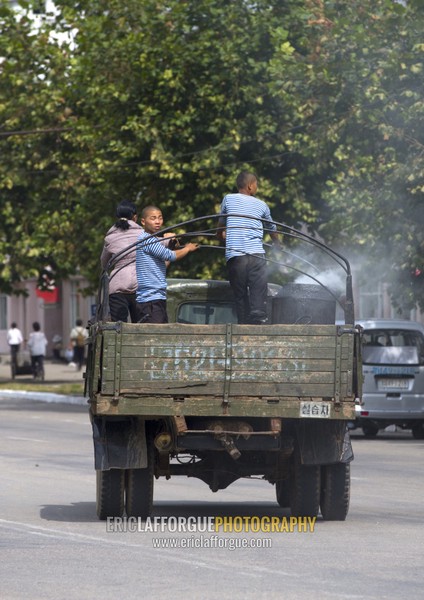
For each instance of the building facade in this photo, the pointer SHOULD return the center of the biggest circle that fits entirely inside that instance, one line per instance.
(56, 312)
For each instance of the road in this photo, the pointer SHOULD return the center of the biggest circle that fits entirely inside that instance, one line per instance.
(53, 546)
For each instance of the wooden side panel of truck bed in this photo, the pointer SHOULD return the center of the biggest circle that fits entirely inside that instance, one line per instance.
(222, 369)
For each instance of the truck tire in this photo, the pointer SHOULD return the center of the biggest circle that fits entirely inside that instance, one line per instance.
(110, 487)
(282, 492)
(139, 487)
(305, 487)
(335, 491)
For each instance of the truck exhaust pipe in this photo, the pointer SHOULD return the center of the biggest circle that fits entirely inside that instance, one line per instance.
(229, 445)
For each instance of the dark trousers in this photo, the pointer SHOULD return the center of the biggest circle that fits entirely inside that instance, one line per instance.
(79, 353)
(153, 312)
(37, 364)
(122, 304)
(14, 351)
(249, 282)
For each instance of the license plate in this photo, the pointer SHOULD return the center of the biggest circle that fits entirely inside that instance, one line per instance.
(393, 384)
(315, 410)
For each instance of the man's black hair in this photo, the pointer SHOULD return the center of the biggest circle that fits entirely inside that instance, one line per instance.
(244, 178)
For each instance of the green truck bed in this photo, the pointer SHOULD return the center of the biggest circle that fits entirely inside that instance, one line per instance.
(290, 371)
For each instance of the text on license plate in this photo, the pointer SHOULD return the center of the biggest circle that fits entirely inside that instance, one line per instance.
(316, 410)
(393, 384)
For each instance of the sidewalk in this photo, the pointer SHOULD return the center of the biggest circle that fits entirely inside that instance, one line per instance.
(54, 372)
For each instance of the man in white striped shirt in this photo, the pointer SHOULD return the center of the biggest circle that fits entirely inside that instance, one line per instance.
(244, 223)
(152, 255)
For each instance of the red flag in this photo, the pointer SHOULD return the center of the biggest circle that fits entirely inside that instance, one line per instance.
(49, 296)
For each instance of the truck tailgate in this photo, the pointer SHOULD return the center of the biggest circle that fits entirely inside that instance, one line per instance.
(169, 368)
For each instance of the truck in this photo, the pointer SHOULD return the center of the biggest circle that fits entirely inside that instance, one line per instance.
(203, 396)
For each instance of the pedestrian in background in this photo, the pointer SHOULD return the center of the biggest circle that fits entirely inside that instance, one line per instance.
(14, 339)
(37, 343)
(78, 336)
(57, 348)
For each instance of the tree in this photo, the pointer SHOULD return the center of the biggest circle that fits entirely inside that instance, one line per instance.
(165, 101)
(160, 101)
(33, 232)
(361, 81)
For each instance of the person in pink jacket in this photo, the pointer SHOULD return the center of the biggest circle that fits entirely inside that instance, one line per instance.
(123, 279)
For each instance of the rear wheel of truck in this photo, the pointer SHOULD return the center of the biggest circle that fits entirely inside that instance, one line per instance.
(282, 492)
(110, 487)
(304, 489)
(335, 491)
(139, 487)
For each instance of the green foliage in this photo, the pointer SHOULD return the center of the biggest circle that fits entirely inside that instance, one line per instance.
(360, 88)
(165, 101)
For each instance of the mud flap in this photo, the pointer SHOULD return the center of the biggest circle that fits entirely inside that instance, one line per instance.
(323, 442)
(119, 443)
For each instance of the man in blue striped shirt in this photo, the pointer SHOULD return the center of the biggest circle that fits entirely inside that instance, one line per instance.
(243, 231)
(152, 256)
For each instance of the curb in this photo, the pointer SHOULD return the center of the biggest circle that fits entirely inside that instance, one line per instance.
(43, 397)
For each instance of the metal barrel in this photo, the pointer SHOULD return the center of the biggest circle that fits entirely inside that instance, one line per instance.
(303, 303)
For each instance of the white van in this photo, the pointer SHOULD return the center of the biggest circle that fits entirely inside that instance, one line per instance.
(393, 370)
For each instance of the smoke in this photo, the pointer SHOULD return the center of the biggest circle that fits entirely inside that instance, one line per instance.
(380, 289)
(331, 279)
(303, 265)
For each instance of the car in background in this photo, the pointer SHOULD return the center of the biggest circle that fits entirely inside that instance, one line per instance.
(393, 376)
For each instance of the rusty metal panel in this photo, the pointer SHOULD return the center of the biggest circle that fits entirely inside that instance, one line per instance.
(172, 359)
(226, 361)
(154, 406)
(108, 367)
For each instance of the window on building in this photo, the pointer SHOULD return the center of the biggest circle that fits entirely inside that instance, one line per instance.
(3, 312)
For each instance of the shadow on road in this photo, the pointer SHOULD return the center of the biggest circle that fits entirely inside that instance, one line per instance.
(80, 512)
(83, 512)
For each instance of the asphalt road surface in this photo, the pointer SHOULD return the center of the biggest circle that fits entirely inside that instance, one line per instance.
(52, 546)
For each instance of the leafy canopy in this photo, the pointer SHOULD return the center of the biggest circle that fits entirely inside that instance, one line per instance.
(164, 102)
